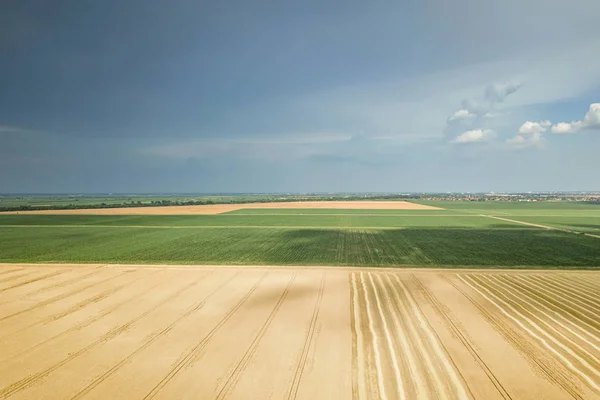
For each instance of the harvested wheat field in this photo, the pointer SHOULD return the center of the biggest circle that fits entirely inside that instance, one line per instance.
(166, 332)
(221, 208)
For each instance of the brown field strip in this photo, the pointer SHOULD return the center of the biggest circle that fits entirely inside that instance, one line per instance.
(222, 208)
(165, 332)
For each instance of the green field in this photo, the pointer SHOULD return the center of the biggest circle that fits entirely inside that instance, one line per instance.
(458, 236)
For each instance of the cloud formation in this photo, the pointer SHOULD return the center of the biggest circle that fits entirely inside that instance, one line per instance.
(474, 136)
(461, 115)
(590, 121)
(530, 135)
(477, 113)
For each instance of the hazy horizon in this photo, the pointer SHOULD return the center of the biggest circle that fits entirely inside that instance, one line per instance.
(310, 97)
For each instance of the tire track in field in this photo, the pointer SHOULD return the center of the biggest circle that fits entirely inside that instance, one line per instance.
(416, 376)
(560, 379)
(96, 271)
(442, 354)
(591, 383)
(232, 380)
(375, 342)
(33, 379)
(79, 306)
(39, 278)
(63, 296)
(191, 354)
(358, 358)
(54, 286)
(8, 271)
(590, 284)
(13, 277)
(390, 344)
(552, 309)
(577, 312)
(575, 296)
(535, 287)
(155, 336)
(584, 291)
(463, 339)
(308, 341)
(506, 294)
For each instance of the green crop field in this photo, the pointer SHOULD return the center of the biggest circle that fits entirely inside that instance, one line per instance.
(459, 236)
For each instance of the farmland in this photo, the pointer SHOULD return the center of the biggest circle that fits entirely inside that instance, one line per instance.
(452, 235)
(96, 331)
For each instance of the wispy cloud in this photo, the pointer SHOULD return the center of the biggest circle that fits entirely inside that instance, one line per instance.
(11, 129)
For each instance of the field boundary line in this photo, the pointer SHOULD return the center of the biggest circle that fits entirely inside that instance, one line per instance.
(241, 366)
(190, 355)
(421, 268)
(551, 228)
(308, 341)
(464, 339)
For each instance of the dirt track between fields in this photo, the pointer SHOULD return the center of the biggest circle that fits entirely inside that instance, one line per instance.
(222, 208)
(119, 331)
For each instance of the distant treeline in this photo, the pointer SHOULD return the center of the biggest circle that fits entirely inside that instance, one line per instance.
(165, 203)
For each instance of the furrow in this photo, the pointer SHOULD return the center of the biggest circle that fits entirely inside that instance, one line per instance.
(375, 340)
(307, 343)
(472, 283)
(442, 353)
(463, 339)
(234, 377)
(154, 337)
(509, 296)
(390, 344)
(416, 376)
(561, 380)
(190, 355)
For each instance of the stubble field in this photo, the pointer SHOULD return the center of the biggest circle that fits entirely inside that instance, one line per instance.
(119, 331)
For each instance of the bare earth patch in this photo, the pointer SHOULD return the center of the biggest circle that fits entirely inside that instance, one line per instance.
(221, 208)
(124, 331)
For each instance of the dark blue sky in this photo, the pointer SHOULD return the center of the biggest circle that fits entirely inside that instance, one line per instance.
(260, 96)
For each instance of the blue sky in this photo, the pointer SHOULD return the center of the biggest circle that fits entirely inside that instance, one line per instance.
(265, 96)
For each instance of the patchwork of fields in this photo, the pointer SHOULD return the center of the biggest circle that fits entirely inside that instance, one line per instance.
(455, 234)
(97, 332)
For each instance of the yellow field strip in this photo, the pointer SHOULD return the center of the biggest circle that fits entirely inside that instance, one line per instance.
(97, 331)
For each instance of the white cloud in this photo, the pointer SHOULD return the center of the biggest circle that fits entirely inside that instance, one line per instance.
(462, 114)
(474, 136)
(590, 121)
(521, 141)
(530, 127)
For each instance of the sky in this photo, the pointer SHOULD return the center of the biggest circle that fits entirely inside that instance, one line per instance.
(182, 96)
